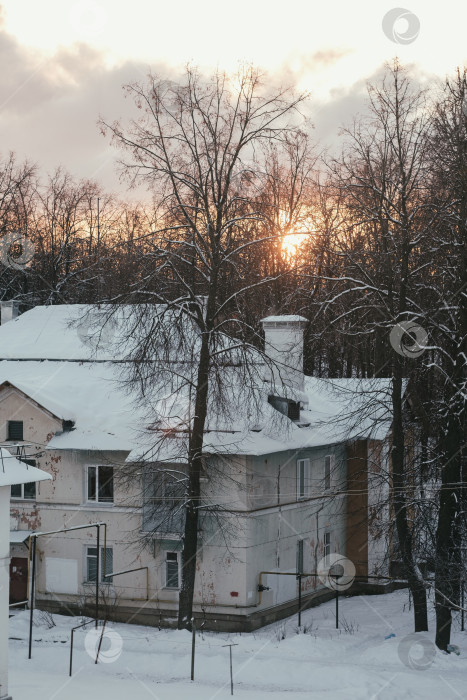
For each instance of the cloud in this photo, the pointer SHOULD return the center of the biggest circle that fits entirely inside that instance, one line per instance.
(50, 104)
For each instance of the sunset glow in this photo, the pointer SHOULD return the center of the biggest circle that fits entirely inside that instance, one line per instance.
(292, 242)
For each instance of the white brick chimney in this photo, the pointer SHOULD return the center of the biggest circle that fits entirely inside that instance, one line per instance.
(284, 345)
(8, 311)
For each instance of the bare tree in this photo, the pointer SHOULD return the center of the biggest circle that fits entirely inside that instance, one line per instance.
(197, 146)
(446, 302)
(380, 184)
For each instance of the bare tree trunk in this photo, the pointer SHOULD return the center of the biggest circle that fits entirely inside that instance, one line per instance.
(448, 552)
(404, 533)
(190, 539)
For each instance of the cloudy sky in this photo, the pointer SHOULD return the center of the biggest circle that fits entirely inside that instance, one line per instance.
(63, 62)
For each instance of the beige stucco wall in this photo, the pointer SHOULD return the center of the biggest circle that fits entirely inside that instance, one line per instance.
(258, 532)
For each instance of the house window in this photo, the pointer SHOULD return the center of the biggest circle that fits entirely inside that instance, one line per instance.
(327, 472)
(163, 494)
(26, 492)
(100, 484)
(15, 430)
(327, 544)
(105, 564)
(303, 478)
(171, 570)
(299, 556)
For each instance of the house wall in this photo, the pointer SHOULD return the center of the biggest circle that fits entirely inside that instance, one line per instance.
(257, 533)
(378, 508)
(275, 529)
(357, 510)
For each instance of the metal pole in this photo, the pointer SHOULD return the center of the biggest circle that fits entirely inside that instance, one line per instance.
(299, 600)
(97, 574)
(337, 609)
(100, 642)
(462, 605)
(71, 651)
(33, 583)
(231, 674)
(193, 642)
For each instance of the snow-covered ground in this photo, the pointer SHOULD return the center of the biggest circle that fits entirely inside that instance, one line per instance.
(316, 661)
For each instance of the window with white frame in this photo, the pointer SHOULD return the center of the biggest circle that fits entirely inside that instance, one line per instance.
(327, 472)
(172, 575)
(303, 478)
(100, 484)
(105, 564)
(327, 544)
(25, 492)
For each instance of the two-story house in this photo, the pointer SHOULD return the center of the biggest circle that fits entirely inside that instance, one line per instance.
(294, 476)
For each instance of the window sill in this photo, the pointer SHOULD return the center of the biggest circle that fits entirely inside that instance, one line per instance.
(96, 505)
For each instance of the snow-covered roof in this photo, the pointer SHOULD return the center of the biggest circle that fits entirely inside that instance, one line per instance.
(13, 471)
(56, 356)
(63, 332)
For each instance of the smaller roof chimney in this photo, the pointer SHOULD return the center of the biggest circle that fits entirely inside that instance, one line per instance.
(8, 311)
(284, 345)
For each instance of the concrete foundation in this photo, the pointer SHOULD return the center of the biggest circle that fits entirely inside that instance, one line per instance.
(245, 620)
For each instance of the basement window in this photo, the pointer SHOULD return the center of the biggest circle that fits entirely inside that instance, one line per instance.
(100, 484)
(15, 430)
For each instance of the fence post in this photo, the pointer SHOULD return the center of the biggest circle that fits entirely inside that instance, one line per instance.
(462, 605)
(100, 642)
(193, 642)
(231, 672)
(71, 652)
(299, 600)
(337, 608)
